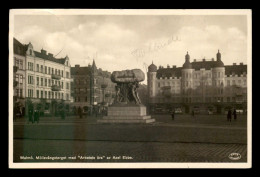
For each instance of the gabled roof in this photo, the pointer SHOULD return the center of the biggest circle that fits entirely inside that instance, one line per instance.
(19, 48)
(50, 58)
(86, 70)
(80, 70)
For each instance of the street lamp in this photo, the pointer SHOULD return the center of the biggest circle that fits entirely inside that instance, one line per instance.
(103, 87)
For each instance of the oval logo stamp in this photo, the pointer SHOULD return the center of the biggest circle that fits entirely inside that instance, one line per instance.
(234, 156)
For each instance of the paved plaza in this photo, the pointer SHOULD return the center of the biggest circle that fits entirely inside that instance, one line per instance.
(205, 138)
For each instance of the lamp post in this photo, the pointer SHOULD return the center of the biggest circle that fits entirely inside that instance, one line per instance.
(103, 87)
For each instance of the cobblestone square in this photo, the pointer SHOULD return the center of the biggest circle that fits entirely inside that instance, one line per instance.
(206, 139)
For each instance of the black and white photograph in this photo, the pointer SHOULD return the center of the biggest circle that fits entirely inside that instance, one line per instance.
(122, 88)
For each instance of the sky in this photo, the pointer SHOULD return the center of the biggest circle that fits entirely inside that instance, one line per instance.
(119, 42)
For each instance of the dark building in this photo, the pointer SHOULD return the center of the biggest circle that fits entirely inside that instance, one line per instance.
(91, 87)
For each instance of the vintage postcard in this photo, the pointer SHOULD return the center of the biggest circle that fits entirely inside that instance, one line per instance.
(130, 88)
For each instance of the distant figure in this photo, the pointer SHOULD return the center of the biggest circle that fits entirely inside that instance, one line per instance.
(62, 114)
(14, 113)
(173, 115)
(193, 113)
(235, 114)
(30, 115)
(36, 116)
(80, 112)
(229, 114)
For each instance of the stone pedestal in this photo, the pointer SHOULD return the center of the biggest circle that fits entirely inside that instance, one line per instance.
(126, 114)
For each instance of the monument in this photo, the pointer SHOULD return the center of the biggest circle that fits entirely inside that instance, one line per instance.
(127, 106)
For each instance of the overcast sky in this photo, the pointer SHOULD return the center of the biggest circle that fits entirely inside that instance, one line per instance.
(121, 42)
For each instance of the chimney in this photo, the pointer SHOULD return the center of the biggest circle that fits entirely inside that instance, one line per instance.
(173, 66)
(168, 66)
(241, 63)
(194, 60)
(50, 54)
(43, 52)
(234, 64)
(212, 59)
(77, 66)
(203, 60)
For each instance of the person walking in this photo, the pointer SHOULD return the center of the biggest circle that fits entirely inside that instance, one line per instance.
(235, 114)
(36, 116)
(229, 114)
(173, 115)
(30, 115)
(80, 112)
(193, 113)
(62, 113)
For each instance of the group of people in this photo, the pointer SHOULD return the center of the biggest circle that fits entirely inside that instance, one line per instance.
(97, 111)
(230, 113)
(34, 115)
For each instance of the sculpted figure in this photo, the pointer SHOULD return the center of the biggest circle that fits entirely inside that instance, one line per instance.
(127, 84)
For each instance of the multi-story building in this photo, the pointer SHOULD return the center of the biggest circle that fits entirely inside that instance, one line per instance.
(19, 75)
(47, 79)
(206, 85)
(91, 87)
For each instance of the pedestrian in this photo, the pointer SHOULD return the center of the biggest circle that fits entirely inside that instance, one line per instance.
(173, 115)
(229, 115)
(62, 114)
(80, 112)
(36, 116)
(30, 115)
(235, 114)
(193, 113)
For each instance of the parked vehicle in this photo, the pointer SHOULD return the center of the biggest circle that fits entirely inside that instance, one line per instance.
(239, 111)
(178, 111)
(210, 112)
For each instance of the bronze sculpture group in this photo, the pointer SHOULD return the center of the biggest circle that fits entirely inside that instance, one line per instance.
(127, 84)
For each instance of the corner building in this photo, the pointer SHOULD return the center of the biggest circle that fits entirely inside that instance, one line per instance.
(47, 80)
(203, 86)
(91, 87)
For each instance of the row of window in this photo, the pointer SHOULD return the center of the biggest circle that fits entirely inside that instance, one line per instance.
(215, 83)
(47, 94)
(198, 75)
(18, 63)
(239, 82)
(47, 82)
(47, 70)
(19, 92)
(77, 99)
(19, 79)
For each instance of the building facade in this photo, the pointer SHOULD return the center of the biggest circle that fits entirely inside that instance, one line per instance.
(46, 81)
(91, 87)
(205, 86)
(19, 76)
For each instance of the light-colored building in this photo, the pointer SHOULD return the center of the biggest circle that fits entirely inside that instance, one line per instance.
(47, 80)
(206, 85)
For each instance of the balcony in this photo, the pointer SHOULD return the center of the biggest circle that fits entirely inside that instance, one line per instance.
(15, 83)
(54, 76)
(15, 69)
(55, 88)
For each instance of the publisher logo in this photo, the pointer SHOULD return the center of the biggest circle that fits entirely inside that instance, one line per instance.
(234, 156)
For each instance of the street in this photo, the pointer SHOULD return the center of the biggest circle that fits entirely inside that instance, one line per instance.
(206, 138)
